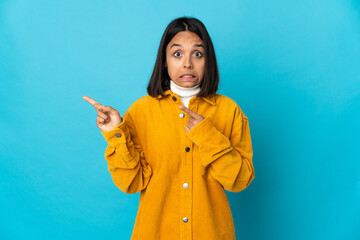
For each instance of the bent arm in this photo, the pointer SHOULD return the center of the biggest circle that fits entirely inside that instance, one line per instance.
(126, 161)
(229, 160)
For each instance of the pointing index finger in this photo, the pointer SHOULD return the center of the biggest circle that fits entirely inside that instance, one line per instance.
(188, 111)
(90, 100)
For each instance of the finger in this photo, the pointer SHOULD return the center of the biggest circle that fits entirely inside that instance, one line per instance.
(111, 110)
(192, 119)
(103, 115)
(191, 124)
(100, 120)
(188, 111)
(187, 129)
(195, 121)
(98, 107)
(90, 100)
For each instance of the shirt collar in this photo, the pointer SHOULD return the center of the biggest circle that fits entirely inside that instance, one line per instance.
(211, 99)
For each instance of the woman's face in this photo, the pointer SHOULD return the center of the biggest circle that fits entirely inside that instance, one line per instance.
(185, 59)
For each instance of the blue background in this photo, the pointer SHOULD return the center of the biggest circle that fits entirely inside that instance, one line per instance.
(292, 66)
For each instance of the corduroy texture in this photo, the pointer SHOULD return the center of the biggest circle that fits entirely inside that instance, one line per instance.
(150, 156)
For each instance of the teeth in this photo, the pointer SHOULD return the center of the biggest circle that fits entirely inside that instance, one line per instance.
(187, 76)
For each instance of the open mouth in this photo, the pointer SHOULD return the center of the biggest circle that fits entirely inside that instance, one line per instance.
(188, 76)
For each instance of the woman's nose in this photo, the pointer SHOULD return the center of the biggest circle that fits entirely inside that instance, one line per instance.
(188, 62)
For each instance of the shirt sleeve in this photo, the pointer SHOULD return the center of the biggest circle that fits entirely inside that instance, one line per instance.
(229, 160)
(125, 157)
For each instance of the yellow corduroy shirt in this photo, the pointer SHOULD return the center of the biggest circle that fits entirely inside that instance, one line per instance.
(182, 176)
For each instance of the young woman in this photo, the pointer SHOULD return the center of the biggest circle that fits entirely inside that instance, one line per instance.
(182, 145)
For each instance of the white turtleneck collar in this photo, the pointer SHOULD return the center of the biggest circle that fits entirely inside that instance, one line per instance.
(184, 93)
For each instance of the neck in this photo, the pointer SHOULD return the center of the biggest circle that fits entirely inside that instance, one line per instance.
(184, 91)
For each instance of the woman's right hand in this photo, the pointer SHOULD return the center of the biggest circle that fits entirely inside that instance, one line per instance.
(108, 118)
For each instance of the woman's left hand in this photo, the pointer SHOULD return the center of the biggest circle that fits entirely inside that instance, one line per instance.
(194, 119)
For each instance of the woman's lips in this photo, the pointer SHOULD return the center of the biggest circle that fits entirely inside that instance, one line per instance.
(187, 77)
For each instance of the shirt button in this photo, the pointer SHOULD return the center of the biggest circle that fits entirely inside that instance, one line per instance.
(185, 219)
(174, 98)
(182, 115)
(187, 149)
(118, 135)
(185, 185)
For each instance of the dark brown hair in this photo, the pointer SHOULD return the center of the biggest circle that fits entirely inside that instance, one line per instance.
(160, 80)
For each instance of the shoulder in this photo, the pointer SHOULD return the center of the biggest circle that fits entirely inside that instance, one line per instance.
(138, 109)
(224, 100)
(144, 100)
(141, 104)
(227, 104)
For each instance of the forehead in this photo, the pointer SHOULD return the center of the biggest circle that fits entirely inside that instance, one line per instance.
(185, 38)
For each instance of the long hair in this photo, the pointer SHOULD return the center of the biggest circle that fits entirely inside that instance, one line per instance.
(160, 80)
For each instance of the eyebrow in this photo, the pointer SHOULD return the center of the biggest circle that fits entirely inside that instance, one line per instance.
(178, 45)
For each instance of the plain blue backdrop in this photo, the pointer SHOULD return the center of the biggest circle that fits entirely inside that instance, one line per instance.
(292, 66)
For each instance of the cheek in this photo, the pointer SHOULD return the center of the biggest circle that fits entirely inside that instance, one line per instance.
(173, 67)
(201, 68)
(170, 69)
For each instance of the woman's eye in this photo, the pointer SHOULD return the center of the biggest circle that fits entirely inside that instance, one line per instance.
(198, 54)
(177, 54)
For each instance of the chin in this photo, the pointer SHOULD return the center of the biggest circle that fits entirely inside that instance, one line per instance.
(187, 84)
